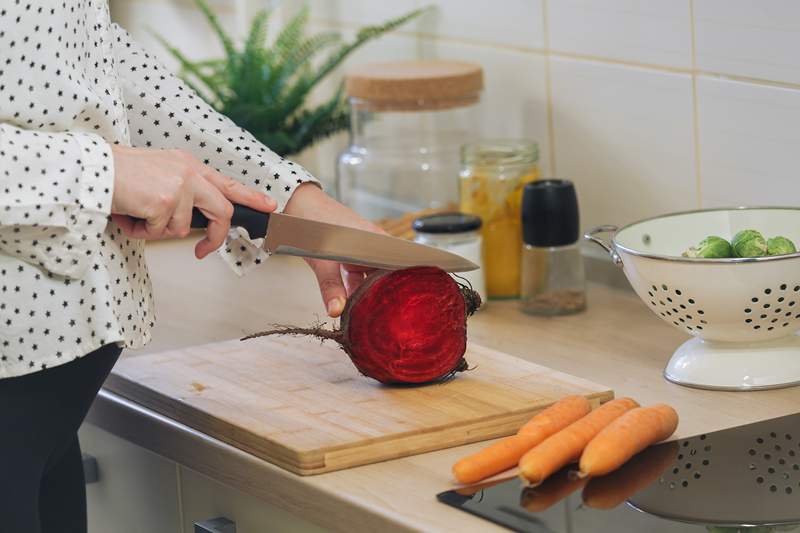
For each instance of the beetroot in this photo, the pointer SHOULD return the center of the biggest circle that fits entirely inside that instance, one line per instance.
(403, 326)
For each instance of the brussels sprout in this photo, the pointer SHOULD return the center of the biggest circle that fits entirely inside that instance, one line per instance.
(710, 248)
(749, 243)
(780, 246)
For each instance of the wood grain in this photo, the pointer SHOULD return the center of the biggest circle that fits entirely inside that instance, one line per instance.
(301, 404)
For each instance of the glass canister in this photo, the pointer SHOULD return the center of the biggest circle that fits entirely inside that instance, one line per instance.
(457, 233)
(407, 123)
(493, 174)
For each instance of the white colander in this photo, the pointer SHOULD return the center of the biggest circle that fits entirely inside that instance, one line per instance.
(743, 314)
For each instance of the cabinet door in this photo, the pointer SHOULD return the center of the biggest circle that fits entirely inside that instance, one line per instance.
(137, 490)
(204, 499)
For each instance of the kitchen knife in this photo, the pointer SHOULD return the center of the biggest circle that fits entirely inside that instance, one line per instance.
(290, 235)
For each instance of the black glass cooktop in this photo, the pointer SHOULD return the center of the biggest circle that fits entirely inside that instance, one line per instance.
(745, 478)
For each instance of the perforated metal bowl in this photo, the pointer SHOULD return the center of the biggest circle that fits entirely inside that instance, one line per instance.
(743, 313)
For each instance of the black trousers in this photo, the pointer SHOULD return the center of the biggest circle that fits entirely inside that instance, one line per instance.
(42, 488)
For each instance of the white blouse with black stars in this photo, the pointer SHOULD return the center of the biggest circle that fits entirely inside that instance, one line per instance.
(71, 82)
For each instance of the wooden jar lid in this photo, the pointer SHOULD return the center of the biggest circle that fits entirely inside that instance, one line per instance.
(415, 85)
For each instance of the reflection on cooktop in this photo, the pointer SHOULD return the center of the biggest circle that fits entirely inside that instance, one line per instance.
(724, 481)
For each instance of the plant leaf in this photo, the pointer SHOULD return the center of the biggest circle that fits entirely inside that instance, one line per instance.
(211, 17)
(257, 36)
(188, 67)
(291, 35)
(264, 88)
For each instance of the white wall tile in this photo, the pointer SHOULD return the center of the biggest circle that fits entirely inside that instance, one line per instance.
(625, 136)
(321, 159)
(749, 143)
(753, 39)
(517, 23)
(514, 101)
(361, 12)
(656, 32)
(181, 24)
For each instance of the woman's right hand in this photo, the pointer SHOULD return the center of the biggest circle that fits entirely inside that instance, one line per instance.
(155, 191)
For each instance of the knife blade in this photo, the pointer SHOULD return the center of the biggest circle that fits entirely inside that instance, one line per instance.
(289, 235)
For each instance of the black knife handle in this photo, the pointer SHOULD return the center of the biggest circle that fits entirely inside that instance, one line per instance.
(255, 222)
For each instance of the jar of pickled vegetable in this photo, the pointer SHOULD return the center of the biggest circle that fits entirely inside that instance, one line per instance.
(493, 174)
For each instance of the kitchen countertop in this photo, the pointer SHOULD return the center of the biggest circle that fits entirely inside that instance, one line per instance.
(617, 342)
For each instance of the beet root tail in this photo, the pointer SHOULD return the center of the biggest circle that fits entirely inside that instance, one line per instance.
(317, 331)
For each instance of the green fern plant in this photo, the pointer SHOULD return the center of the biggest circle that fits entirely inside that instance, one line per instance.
(263, 87)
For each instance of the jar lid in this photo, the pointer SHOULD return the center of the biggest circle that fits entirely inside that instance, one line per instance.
(500, 153)
(447, 223)
(416, 85)
(550, 213)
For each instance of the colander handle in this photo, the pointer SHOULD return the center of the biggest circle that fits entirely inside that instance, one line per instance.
(608, 247)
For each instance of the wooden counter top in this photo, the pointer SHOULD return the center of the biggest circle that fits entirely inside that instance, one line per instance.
(617, 342)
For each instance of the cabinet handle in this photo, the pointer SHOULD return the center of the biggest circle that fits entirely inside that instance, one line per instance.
(215, 525)
(91, 473)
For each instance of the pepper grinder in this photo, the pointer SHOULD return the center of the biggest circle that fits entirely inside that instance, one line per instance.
(553, 278)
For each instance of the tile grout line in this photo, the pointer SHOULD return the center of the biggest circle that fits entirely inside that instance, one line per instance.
(551, 135)
(583, 57)
(695, 109)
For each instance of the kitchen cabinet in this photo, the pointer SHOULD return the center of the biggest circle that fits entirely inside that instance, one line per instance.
(137, 490)
(203, 498)
(140, 491)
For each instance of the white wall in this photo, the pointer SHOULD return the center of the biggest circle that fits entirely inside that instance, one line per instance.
(649, 105)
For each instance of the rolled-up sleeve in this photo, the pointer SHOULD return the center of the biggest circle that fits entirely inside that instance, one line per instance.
(56, 197)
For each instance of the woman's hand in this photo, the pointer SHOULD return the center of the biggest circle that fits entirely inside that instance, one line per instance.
(336, 281)
(155, 191)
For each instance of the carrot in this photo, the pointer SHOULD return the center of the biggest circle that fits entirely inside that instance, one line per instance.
(556, 488)
(506, 453)
(566, 446)
(556, 417)
(607, 492)
(500, 456)
(625, 437)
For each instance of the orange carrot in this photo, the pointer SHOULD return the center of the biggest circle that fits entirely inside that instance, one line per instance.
(556, 488)
(506, 453)
(608, 492)
(625, 437)
(500, 456)
(556, 417)
(566, 446)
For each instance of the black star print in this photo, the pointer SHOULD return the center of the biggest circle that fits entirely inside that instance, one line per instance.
(49, 166)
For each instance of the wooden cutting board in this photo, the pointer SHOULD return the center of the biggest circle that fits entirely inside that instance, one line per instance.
(301, 404)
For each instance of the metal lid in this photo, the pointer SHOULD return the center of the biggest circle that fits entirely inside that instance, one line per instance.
(416, 85)
(550, 213)
(447, 223)
(500, 154)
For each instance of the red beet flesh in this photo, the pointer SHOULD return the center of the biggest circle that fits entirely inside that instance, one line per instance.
(403, 326)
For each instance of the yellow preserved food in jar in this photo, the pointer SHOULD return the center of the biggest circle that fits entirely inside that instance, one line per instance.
(492, 177)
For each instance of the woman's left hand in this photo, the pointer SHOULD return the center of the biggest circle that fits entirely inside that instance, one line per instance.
(336, 281)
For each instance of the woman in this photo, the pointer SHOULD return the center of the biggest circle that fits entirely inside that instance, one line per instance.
(101, 149)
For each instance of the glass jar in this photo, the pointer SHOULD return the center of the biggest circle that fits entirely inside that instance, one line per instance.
(553, 280)
(407, 123)
(493, 174)
(457, 233)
